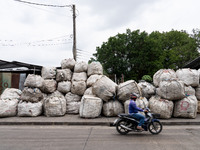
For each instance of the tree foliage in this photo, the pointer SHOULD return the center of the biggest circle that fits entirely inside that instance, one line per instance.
(136, 53)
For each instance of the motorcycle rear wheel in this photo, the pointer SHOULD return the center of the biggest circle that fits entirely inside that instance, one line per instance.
(120, 129)
(155, 127)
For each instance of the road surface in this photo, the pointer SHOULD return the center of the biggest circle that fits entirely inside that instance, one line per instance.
(96, 138)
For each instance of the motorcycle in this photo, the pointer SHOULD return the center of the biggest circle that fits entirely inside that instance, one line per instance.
(126, 123)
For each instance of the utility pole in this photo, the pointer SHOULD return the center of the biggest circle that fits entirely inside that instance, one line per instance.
(74, 32)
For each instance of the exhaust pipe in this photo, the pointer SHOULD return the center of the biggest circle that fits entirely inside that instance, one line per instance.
(123, 126)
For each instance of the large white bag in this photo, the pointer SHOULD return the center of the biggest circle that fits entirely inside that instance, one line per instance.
(34, 81)
(161, 106)
(63, 75)
(28, 109)
(78, 87)
(125, 89)
(88, 91)
(90, 106)
(186, 107)
(80, 67)
(49, 86)
(73, 103)
(92, 79)
(189, 76)
(163, 74)
(48, 72)
(112, 108)
(73, 107)
(171, 89)
(70, 97)
(8, 108)
(31, 95)
(64, 86)
(147, 89)
(95, 68)
(55, 105)
(11, 93)
(104, 88)
(68, 63)
(82, 76)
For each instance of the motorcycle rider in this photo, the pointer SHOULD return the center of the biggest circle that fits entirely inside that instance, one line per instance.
(133, 111)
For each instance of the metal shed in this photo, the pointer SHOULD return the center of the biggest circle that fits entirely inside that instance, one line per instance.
(194, 64)
(13, 74)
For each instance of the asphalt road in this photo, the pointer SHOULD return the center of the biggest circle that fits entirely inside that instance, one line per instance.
(96, 138)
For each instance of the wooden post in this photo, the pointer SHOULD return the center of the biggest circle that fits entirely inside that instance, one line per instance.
(74, 32)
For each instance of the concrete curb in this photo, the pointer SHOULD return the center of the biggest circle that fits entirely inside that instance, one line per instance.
(58, 123)
(76, 120)
(89, 123)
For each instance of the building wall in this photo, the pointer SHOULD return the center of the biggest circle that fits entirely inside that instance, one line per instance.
(11, 80)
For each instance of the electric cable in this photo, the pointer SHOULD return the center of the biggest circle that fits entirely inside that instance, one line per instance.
(40, 4)
(53, 12)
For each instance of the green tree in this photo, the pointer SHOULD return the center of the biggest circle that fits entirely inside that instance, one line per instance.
(196, 36)
(178, 48)
(136, 53)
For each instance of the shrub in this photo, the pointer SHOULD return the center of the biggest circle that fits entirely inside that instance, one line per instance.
(147, 78)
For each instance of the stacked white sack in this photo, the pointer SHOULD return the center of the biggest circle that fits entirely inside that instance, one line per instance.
(68, 63)
(172, 89)
(90, 106)
(112, 108)
(55, 105)
(95, 68)
(163, 74)
(32, 97)
(186, 107)
(9, 101)
(49, 84)
(125, 89)
(161, 106)
(189, 76)
(73, 103)
(48, 72)
(104, 88)
(147, 89)
(29, 109)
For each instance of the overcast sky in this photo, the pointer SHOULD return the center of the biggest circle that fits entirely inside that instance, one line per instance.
(43, 35)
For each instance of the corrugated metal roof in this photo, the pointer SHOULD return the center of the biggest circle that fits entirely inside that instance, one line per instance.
(194, 64)
(16, 66)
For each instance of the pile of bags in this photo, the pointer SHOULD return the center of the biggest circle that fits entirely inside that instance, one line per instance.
(176, 93)
(81, 88)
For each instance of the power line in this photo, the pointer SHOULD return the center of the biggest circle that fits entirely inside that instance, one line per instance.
(40, 4)
(53, 12)
(66, 39)
(84, 51)
(30, 44)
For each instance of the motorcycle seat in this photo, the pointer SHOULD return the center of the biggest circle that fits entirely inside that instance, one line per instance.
(124, 115)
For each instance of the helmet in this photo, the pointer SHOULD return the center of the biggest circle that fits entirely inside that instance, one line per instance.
(133, 96)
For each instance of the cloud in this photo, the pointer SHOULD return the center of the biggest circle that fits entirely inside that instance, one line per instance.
(96, 21)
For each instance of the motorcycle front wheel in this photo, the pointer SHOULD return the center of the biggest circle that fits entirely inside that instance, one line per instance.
(119, 127)
(155, 127)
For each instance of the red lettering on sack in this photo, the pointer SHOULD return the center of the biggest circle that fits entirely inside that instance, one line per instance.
(166, 71)
(184, 105)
